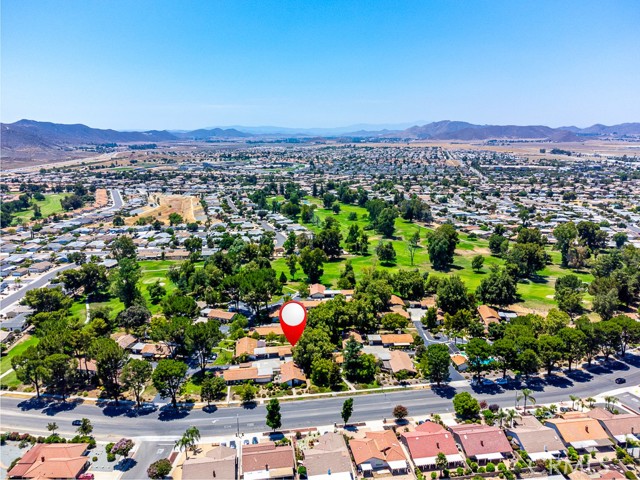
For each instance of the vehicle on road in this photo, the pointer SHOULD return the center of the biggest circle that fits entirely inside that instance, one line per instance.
(503, 380)
(76, 423)
(620, 380)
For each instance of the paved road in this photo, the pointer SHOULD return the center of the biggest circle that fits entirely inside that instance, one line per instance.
(40, 282)
(117, 200)
(280, 238)
(110, 422)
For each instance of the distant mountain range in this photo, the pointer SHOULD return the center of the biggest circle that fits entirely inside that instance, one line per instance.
(30, 139)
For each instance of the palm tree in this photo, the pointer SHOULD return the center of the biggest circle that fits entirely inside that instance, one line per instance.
(52, 427)
(573, 399)
(526, 394)
(500, 416)
(189, 440)
(610, 401)
(512, 415)
(590, 401)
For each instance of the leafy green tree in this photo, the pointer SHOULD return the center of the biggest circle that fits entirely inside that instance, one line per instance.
(325, 373)
(169, 377)
(124, 281)
(351, 355)
(498, 244)
(569, 293)
(110, 359)
(528, 258)
(477, 262)
(135, 376)
(312, 262)
(453, 295)
(498, 288)
(413, 244)
(314, 343)
(180, 306)
(591, 235)
(156, 292)
(212, 388)
(347, 410)
(248, 392)
(328, 239)
(31, 368)
(386, 253)
(394, 321)
(620, 238)
(630, 332)
(465, 406)
(435, 363)
(123, 247)
(133, 317)
(201, 340)
(62, 369)
(347, 278)
(292, 265)
(175, 219)
(574, 344)
(550, 350)
(478, 354)
(274, 417)
(442, 245)
(47, 300)
(528, 362)
(385, 222)
(506, 353)
(605, 303)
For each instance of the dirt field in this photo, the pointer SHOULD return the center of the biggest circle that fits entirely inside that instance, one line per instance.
(185, 205)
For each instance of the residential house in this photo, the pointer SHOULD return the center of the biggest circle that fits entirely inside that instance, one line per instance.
(378, 451)
(52, 461)
(291, 374)
(482, 443)
(220, 462)
(328, 459)
(223, 316)
(427, 441)
(267, 461)
(581, 432)
(396, 339)
(540, 442)
(460, 362)
(399, 361)
(488, 316)
(622, 427)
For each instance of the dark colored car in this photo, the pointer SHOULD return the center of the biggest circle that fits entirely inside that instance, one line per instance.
(620, 380)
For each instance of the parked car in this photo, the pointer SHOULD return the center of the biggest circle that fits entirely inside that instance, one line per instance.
(232, 444)
(503, 381)
(620, 380)
(76, 423)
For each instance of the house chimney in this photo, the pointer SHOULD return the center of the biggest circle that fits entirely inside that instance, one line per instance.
(266, 467)
(438, 445)
(42, 459)
(482, 443)
(586, 427)
(214, 474)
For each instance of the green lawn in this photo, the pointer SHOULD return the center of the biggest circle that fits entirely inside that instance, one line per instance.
(50, 205)
(535, 295)
(5, 362)
(152, 271)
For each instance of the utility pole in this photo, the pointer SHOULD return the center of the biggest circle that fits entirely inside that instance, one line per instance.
(237, 426)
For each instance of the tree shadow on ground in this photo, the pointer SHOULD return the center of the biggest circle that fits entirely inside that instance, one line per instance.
(125, 464)
(169, 413)
(444, 391)
(54, 408)
(210, 409)
(579, 376)
(560, 382)
(249, 405)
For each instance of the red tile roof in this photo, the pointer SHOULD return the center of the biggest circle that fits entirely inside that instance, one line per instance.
(51, 461)
(428, 440)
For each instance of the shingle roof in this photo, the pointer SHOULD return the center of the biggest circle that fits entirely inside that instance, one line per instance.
(428, 440)
(257, 457)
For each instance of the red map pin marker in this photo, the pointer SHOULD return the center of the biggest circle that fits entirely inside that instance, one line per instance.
(293, 319)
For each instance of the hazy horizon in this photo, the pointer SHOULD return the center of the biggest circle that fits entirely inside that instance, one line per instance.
(183, 66)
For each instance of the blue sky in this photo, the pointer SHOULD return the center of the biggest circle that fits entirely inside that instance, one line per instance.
(188, 64)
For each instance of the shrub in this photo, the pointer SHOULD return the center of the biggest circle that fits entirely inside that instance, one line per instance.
(159, 469)
(490, 467)
(94, 459)
(630, 475)
(434, 475)
(460, 471)
(13, 464)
